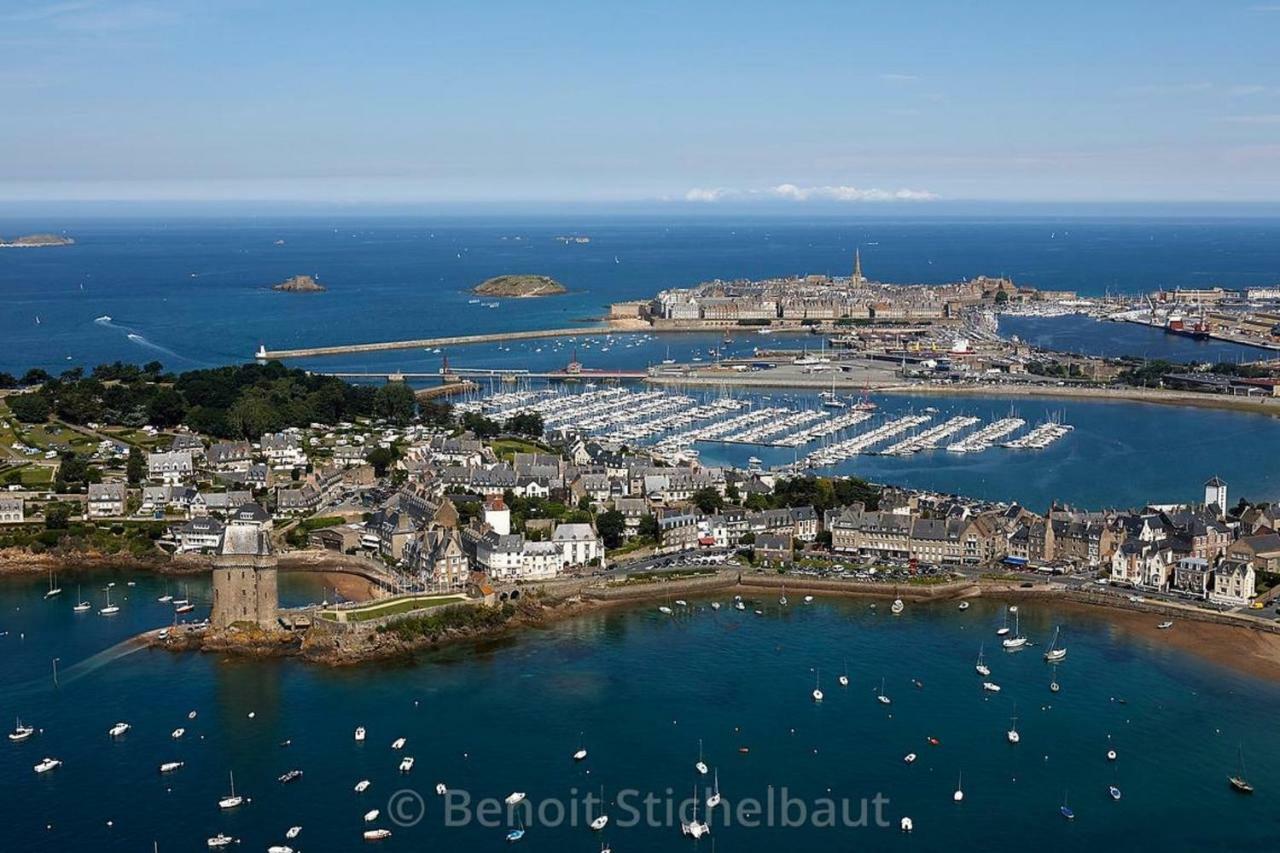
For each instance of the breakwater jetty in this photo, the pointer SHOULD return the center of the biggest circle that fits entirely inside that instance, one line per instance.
(427, 343)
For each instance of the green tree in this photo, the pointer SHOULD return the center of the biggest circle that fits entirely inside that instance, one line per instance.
(611, 526)
(166, 408)
(648, 527)
(56, 516)
(526, 423)
(136, 467)
(29, 408)
(708, 500)
(381, 458)
(395, 402)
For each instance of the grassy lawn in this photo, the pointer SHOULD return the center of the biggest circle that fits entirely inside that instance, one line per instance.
(392, 608)
(509, 447)
(37, 476)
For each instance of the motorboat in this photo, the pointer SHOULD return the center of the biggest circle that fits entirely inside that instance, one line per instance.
(21, 732)
(170, 766)
(362, 786)
(1165, 625)
(360, 733)
(964, 605)
(909, 758)
(406, 764)
(177, 733)
(398, 743)
(376, 834)
(906, 824)
(808, 599)
(897, 606)
(371, 815)
(515, 798)
(220, 840)
(991, 687)
(441, 790)
(118, 729)
(47, 764)
(1111, 755)
(1114, 792)
(289, 776)
(279, 848)
(293, 832)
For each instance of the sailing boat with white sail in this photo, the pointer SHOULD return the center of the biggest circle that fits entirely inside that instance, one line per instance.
(1056, 652)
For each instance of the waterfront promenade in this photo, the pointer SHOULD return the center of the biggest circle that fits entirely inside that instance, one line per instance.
(426, 343)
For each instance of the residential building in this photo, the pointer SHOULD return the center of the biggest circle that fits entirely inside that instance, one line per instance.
(171, 466)
(106, 500)
(11, 511)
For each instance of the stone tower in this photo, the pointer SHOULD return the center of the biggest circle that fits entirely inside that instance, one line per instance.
(1215, 492)
(244, 572)
(857, 267)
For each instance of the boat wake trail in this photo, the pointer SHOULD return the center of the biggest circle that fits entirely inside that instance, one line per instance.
(138, 338)
(75, 672)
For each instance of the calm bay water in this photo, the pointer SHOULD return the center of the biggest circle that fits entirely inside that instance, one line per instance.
(642, 689)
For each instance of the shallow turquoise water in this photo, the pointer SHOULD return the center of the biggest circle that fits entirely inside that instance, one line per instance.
(642, 689)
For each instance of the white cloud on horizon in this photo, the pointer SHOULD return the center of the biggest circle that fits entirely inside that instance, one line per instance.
(795, 193)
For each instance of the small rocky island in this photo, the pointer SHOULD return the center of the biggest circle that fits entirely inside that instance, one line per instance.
(519, 285)
(35, 241)
(300, 284)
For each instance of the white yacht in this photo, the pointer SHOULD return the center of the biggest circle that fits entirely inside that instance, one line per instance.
(714, 799)
(1012, 734)
(441, 790)
(817, 688)
(1017, 641)
(1165, 625)
(293, 832)
(170, 766)
(371, 815)
(376, 834)
(958, 796)
(844, 676)
(110, 609)
(81, 605)
(897, 606)
(54, 591)
(981, 667)
(1056, 652)
(700, 766)
(581, 752)
(881, 698)
(220, 840)
(693, 828)
(360, 733)
(991, 687)
(964, 605)
(118, 729)
(233, 799)
(1004, 629)
(514, 798)
(406, 764)
(47, 764)
(398, 743)
(362, 786)
(177, 733)
(909, 758)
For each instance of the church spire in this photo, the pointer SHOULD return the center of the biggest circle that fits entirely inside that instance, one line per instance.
(857, 267)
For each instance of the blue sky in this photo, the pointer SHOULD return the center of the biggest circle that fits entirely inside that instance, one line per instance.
(714, 104)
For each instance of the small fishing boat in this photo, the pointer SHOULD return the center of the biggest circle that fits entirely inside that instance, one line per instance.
(360, 733)
(184, 608)
(991, 687)
(881, 698)
(1114, 792)
(362, 786)
(118, 729)
(1055, 652)
(906, 824)
(47, 764)
(441, 790)
(233, 799)
(909, 758)
(398, 743)
(664, 610)
(1065, 810)
(514, 798)
(1165, 625)
(700, 766)
(293, 832)
(289, 776)
(21, 732)
(933, 741)
(406, 764)
(715, 605)
(371, 815)
(376, 834)
(808, 599)
(177, 733)
(964, 605)
(220, 840)
(170, 766)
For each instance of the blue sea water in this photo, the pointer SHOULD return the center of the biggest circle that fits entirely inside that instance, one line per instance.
(638, 690)
(196, 291)
(1088, 336)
